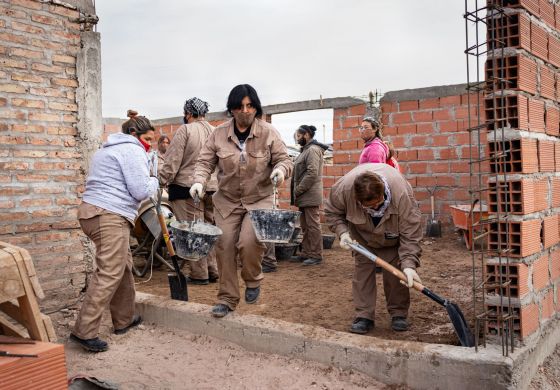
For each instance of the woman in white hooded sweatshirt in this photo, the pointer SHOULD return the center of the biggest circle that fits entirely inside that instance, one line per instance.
(119, 179)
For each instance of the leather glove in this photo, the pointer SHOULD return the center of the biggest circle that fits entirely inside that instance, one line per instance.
(278, 175)
(411, 276)
(345, 239)
(197, 189)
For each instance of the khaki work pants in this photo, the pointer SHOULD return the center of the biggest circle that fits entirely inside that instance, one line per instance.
(269, 257)
(185, 210)
(112, 284)
(364, 286)
(238, 238)
(312, 244)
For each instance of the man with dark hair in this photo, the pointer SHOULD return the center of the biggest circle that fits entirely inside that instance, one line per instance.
(374, 205)
(177, 174)
(249, 155)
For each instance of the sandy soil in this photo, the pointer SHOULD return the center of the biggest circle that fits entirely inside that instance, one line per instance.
(321, 295)
(548, 374)
(159, 358)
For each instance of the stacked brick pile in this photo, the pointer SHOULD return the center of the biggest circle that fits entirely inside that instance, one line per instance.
(527, 186)
(40, 164)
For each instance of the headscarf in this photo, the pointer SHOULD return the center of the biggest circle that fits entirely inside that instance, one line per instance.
(196, 107)
(379, 212)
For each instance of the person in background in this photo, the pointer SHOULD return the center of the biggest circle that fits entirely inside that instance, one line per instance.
(374, 205)
(119, 179)
(177, 174)
(307, 194)
(249, 155)
(162, 145)
(375, 150)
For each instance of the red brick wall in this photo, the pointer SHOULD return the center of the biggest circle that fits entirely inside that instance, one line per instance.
(40, 164)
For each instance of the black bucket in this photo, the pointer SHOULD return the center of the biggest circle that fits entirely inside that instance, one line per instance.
(328, 240)
(295, 234)
(284, 251)
(194, 240)
(274, 226)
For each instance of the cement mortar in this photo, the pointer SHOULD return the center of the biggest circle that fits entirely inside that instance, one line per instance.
(417, 365)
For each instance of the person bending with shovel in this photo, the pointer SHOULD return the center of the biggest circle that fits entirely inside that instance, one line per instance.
(374, 205)
(249, 155)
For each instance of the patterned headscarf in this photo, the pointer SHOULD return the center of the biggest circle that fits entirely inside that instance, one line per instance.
(196, 107)
(379, 213)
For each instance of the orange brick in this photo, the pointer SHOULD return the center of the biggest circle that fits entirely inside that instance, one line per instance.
(546, 156)
(552, 121)
(550, 231)
(401, 118)
(555, 264)
(408, 105)
(540, 278)
(407, 129)
(539, 41)
(536, 116)
(428, 103)
(519, 239)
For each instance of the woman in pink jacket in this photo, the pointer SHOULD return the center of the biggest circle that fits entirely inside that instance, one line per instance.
(375, 150)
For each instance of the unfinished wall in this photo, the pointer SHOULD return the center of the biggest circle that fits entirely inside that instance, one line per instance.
(530, 191)
(42, 159)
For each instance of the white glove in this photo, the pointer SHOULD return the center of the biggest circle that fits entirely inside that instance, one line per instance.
(197, 190)
(345, 239)
(278, 175)
(411, 276)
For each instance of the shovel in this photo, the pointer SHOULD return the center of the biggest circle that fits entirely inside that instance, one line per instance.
(433, 229)
(177, 282)
(457, 319)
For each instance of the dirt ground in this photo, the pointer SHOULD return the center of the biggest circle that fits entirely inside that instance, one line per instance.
(322, 295)
(154, 357)
(158, 358)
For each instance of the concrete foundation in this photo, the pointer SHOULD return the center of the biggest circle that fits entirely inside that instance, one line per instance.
(417, 365)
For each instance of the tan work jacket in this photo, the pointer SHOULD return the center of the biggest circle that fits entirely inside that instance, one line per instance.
(400, 226)
(181, 156)
(243, 175)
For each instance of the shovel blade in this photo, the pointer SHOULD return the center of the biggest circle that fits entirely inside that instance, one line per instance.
(178, 287)
(460, 324)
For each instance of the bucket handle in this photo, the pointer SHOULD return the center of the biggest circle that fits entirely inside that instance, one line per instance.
(196, 200)
(274, 191)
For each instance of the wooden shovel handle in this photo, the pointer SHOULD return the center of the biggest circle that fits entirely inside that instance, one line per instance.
(165, 232)
(386, 266)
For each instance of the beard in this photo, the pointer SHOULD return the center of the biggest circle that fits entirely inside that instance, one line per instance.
(244, 120)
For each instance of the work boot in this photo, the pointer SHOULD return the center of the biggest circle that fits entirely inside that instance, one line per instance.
(268, 268)
(312, 261)
(399, 324)
(136, 320)
(297, 259)
(220, 310)
(361, 325)
(213, 279)
(252, 294)
(201, 282)
(91, 345)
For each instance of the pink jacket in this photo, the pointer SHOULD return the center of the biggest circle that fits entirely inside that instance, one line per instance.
(375, 151)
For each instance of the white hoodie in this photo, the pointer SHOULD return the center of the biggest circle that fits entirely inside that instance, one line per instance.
(119, 177)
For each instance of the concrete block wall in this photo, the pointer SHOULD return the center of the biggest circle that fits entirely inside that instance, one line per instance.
(529, 135)
(41, 160)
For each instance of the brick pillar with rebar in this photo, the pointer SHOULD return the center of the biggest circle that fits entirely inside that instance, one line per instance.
(526, 181)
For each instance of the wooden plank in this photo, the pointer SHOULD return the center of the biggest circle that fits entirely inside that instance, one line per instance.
(13, 311)
(49, 328)
(19, 255)
(10, 329)
(10, 283)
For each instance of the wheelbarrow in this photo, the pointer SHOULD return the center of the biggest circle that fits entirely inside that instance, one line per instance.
(464, 216)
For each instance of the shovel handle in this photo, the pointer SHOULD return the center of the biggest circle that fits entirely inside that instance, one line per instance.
(165, 233)
(386, 266)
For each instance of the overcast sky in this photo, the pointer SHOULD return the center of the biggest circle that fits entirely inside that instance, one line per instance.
(156, 54)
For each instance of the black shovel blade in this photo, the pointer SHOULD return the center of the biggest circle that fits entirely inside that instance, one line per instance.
(178, 287)
(461, 328)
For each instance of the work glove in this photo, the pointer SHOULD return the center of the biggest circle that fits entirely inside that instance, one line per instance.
(197, 190)
(278, 175)
(411, 276)
(345, 239)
